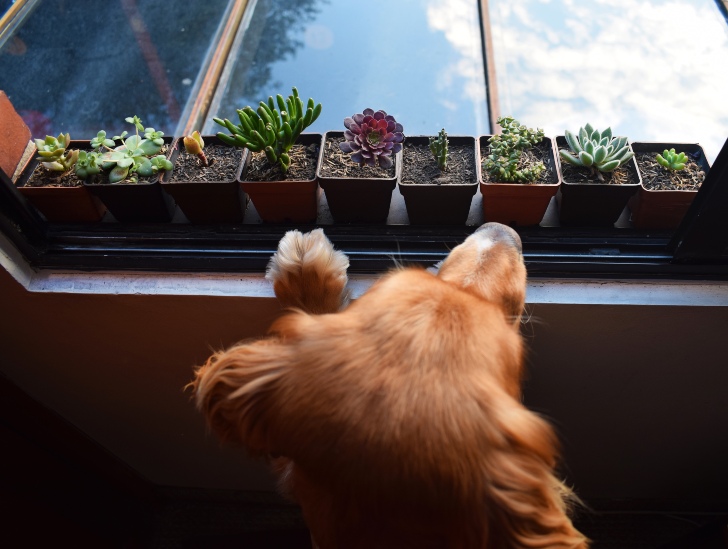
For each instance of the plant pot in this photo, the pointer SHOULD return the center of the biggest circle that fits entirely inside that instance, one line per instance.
(594, 204)
(663, 209)
(358, 199)
(61, 204)
(15, 138)
(519, 204)
(285, 200)
(142, 202)
(445, 203)
(212, 201)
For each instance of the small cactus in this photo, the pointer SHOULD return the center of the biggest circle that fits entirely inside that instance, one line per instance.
(439, 149)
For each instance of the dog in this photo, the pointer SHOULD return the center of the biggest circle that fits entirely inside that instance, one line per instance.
(396, 421)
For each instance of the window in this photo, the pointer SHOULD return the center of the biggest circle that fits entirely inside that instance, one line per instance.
(452, 63)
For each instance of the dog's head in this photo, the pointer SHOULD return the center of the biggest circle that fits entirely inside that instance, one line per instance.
(409, 399)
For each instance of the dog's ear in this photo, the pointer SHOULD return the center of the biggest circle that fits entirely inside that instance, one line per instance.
(236, 391)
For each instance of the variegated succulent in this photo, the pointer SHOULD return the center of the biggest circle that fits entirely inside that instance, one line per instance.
(372, 138)
(598, 151)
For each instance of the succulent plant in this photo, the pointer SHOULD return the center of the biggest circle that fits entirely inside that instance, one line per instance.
(53, 153)
(372, 137)
(598, 151)
(194, 144)
(88, 164)
(271, 130)
(671, 160)
(502, 164)
(438, 148)
(136, 156)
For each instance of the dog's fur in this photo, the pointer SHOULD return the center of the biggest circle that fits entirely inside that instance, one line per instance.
(397, 422)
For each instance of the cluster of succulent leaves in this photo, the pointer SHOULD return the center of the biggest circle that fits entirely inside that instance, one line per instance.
(503, 163)
(670, 160)
(439, 149)
(273, 128)
(598, 151)
(372, 138)
(53, 153)
(137, 156)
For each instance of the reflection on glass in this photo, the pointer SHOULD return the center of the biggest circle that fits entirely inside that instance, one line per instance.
(85, 65)
(652, 70)
(420, 61)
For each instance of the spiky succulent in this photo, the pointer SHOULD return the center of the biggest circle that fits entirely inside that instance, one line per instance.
(504, 161)
(273, 131)
(53, 153)
(671, 160)
(598, 151)
(372, 138)
(439, 149)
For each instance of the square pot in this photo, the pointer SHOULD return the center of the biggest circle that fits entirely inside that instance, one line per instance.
(519, 204)
(656, 209)
(358, 199)
(286, 200)
(142, 202)
(207, 202)
(594, 204)
(61, 204)
(445, 204)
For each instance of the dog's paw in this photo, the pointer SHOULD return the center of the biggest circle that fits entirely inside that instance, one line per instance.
(308, 273)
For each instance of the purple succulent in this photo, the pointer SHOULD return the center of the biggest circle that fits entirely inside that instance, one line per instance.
(371, 137)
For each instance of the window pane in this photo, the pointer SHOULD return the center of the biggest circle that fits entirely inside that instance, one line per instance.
(84, 65)
(652, 70)
(420, 61)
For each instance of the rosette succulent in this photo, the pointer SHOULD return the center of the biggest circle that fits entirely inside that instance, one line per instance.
(596, 150)
(670, 160)
(372, 138)
(53, 153)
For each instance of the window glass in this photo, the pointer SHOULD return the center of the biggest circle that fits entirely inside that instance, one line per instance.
(84, 65)
(650, 69)
(421, 61)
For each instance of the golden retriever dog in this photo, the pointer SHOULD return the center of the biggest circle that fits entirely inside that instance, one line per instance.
(396, 421)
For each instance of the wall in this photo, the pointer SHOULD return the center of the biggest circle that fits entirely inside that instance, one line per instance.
(637, 393)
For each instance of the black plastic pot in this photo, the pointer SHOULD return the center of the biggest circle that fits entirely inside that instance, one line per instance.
(358, 199)
(653, 209)
(207, 202)
(594, 204)
(446, 204)
(142, 202)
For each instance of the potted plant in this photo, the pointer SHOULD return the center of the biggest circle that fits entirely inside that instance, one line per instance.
(519, 174)
(669, 182)
(359, 167)
(53, 181)
(128, 183)
(599, 176)
(439, 178)
(279, 166)
(204, 181)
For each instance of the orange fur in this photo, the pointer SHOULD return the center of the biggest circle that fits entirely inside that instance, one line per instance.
(398, 419)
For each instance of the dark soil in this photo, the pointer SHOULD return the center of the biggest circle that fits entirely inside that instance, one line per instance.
(303, 165)
(530, 157)
(657, 178)
(624, 175)
(420, 167)
(223, 165)
(42, 177)
(338, 164)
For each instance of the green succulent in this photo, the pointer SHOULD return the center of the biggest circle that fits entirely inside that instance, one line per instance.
(598, 151)
(88, 164)
(671, 160)
(273, 128)
(136, 156)
(502, 164)
(439, 149)
(53, 153)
